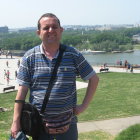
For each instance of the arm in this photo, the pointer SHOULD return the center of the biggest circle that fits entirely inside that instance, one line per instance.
(21, 95)
(92, 85)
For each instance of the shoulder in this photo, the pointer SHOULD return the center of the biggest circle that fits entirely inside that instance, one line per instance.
(32, 51)
(71, 51)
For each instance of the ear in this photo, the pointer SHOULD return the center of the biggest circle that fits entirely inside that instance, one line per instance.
(62, 29)
(38, 32)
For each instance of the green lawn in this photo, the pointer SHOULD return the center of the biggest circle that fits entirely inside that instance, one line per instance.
(96, 135)
(117, 96)
(6, 101)
(137, 46)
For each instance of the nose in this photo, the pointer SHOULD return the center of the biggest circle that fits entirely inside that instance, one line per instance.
(50, 29)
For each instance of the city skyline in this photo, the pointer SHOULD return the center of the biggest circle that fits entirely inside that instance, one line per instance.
(20, 14)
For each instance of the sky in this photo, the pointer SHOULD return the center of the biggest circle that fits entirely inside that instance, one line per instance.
(25, 13)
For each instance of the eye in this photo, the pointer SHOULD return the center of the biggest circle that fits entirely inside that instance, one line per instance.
(46, 28)
(53, 27)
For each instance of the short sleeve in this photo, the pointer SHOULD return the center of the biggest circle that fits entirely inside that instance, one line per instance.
(23, 76)
(84, 69)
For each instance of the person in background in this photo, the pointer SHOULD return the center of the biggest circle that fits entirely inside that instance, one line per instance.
(35, 71)
(120, 62)
(125, 63)
(131, 69)
(7, 63)
(18, 63)
(15, 74)
(5, 73)
(8, 76)
(128, 66)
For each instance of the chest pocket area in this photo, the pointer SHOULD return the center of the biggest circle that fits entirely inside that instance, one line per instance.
(66, 73)
(41, 74)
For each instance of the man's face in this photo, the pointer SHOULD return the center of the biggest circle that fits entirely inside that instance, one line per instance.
(50, 31)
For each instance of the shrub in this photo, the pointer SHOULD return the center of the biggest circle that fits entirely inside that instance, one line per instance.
(131, 133)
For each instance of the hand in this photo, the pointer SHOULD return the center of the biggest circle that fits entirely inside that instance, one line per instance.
(15, 128)
(79, 109)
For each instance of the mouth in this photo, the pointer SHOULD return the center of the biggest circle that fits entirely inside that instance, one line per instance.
(51, 36)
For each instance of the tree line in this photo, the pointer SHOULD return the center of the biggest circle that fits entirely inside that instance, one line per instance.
(112, 40)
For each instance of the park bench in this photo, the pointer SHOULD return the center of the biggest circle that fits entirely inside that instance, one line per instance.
(8, 88)
(104, 69)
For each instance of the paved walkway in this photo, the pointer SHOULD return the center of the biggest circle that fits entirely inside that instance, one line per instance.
(113, 126)
(12, 67)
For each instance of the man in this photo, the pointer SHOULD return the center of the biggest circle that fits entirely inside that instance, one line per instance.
(34, 74)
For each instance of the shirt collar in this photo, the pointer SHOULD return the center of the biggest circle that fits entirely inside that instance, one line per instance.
(42, 51)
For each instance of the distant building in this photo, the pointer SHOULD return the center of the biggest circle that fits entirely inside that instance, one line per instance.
(137, 25)
(23, 30)
(136, 38)
(103, 28)
(28, 29)
(4, 29)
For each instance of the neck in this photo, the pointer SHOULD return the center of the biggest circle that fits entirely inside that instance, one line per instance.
(51, 50)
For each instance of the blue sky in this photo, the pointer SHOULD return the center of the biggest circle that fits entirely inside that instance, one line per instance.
(25, 13)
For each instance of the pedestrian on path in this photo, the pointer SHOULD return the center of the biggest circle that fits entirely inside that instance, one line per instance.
(128, 66)
(5, 74)
(8, 77)
(131, 69)
(125, 64)
(120, 63)
(15, 74)
(7, 64)
(18, 63)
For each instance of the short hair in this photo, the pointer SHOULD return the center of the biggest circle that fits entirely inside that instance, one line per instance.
(47, 15)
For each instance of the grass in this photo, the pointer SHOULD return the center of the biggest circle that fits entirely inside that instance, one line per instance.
(137, 46)
(7, 101)
(96, 135)
(117, 96)
(131, 133)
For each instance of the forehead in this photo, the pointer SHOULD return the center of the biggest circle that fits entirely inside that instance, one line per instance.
(48, 21)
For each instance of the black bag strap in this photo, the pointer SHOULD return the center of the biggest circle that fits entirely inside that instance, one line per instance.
(54, 72)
